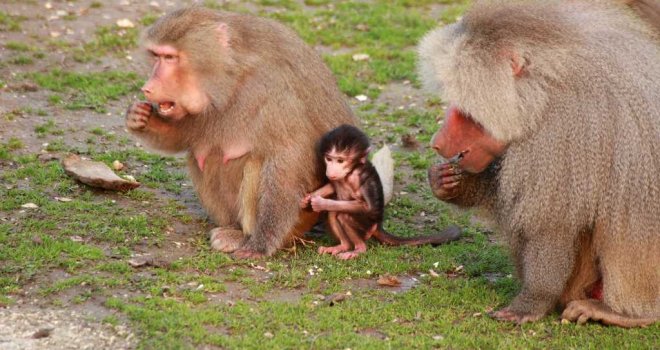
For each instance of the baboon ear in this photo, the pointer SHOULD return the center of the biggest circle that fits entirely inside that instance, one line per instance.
(223, 34)
(519, 64)
(364, 159)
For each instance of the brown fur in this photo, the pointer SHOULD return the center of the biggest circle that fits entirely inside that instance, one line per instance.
(577, 189)
(267, 89)
(648, 10)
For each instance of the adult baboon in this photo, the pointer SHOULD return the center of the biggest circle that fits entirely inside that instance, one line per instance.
(247, 99)
(555, 109)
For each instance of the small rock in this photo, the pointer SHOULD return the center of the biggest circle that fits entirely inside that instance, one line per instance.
(360, 57)
(42, 333)
(29, 206)
(269, 335)
(63, 199)
(117, 165)
(361, 98)
(125, 23)
(47, 157)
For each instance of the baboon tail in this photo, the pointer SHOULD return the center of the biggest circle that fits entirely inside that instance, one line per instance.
(451, 233)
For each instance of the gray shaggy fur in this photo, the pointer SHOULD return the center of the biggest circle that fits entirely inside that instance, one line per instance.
(583, 129)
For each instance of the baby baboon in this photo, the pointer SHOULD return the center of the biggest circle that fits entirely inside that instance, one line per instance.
(353, 197)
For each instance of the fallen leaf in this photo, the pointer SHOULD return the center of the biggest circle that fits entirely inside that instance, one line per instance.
(409, 141)
(335, 298)
(389, 281)
(63, 199)
(361, 98)
(384, 163)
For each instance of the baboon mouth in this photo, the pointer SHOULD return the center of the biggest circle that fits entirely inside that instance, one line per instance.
(165, 107)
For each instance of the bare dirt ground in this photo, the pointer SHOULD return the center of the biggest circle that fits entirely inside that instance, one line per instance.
(31, 323)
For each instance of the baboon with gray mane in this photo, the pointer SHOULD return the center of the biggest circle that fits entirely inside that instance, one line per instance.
(554, 126)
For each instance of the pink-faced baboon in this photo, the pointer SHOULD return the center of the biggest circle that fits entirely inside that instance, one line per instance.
(555, 109)
(247, 99)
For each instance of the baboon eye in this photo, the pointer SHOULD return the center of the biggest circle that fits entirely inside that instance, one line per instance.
(328, 159)
(340, 161)
(169, 58)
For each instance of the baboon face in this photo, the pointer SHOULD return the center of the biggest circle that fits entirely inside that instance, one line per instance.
(173, 87)
(460, 133)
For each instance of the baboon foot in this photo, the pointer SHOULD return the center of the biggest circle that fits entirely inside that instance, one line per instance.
(359, 249)
(334, 250)
(349, 255)
(581, 311)
(226, 240)
(248, 254)
(508, 315)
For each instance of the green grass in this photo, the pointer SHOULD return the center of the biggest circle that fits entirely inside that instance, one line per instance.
(108, 40)
(91, 90)
(10, 23)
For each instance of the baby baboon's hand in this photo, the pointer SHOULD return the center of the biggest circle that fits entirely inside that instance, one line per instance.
(137, 116)
(304, 202)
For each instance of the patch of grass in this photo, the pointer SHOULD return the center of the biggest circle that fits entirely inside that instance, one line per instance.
(91, 90)
(110, 40)
(18, 46)
(11, 145)
(451, 14)
(10, 23)
(47, 128)
(21, 60)
(386, 31)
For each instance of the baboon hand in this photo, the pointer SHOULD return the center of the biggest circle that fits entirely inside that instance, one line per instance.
(304, 202)
(318, 203)
(445, 179)
(137, 116)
